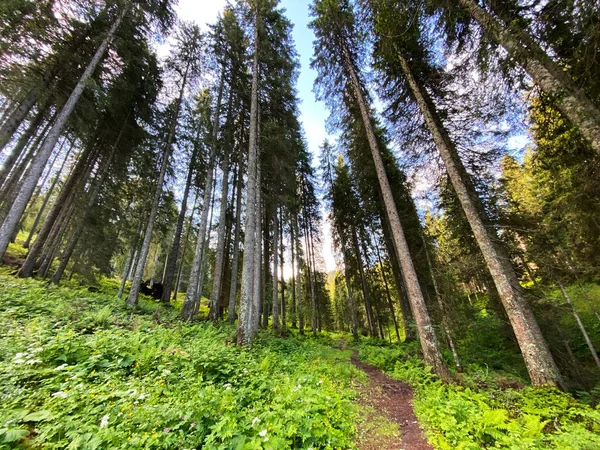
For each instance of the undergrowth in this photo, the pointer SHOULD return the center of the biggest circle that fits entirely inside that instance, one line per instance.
(80, 371)
(487, 409)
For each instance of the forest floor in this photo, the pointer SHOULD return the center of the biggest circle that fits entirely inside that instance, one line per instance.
(78, 369)
(390, 401)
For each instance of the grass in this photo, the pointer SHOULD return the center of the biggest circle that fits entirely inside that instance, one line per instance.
(81, 371)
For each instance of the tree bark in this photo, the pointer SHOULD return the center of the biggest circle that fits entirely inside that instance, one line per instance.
(293, 255)
(257, 285)
(580, 324)
(538, 359)
(275, 274)
(347, 276)
(251, 207)
(43, 155)
(236, 244)
(79, 172)
(24, 139)
(365, 288)
(429, 342)
(174, 252)
(189, 303)
(47, 197)
(387, 289)
(215, 295)
(407, 316)
(94, 192)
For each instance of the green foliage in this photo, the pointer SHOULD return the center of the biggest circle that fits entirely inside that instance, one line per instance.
(81, 371)
(468, 417)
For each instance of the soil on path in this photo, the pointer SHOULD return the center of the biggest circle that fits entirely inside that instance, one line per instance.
(393, 399)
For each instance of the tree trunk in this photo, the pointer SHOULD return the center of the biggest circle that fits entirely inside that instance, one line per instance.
(94, 192)
(311, 281)
(429, 342)
(580, 324)
(24, 139)
(11, 186)
(215, 295)
(174, 252)
(257, 288)
(438, 297)
(251, 207)
(275, 274)
(387, 289)
(43, 155)
(79, 172)
(347, 276)
(365, 288)
(204, 261)
(189, 303)
(47, 197)
(407, 317)
(538, 359)
(184, 248)
(281, 263)
(299, 283)
(236, 244)
(546, 73)
(292, 246)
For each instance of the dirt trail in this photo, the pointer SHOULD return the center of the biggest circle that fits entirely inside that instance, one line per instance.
(393, 399)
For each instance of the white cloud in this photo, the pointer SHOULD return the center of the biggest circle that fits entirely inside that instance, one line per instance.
(202, 12)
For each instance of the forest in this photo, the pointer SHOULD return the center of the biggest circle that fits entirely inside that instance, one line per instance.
(166, 225)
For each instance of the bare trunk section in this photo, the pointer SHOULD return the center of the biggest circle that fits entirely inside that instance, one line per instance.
(438, 296)
(281, 263)
(132, 298)
(81, 169)
(387, 289)
(236, 244)
(250, 231)
(407, 317)
(276, 325)
(173, 257)
(429, 342)
(20, 171)
(347, 277)
(24, 139)
(365, 288)
(204, 261)
(257, 284)
(292, 246)
(187, 310)
(551, 78)
(538, 359)
(47, 197)
(39, 162)
(580, 324)
(311, 280)
(300, 310)
(215, 294)
(93, 196)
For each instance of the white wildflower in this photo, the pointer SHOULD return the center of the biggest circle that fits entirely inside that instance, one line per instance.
(255, 421)
(263, 433)
(143, 396)
(61, 367)
(104, 421)
(60, 394)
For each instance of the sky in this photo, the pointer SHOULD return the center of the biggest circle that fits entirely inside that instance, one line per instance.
(313, 114)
